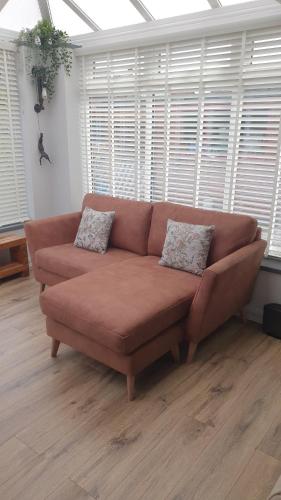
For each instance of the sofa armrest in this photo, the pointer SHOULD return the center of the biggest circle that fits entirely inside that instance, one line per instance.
(51, 231)
(226, 287)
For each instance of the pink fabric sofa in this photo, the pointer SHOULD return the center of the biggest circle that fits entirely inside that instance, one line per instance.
(124, 309)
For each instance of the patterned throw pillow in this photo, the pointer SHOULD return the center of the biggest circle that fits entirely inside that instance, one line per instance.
(94, 230)
(186, 246)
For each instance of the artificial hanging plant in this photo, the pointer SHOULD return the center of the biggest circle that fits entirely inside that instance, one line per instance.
(50, 48)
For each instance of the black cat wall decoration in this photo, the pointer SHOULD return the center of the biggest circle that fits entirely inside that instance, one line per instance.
(41, 149)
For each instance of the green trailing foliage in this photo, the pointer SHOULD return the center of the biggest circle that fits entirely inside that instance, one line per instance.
(49, 50)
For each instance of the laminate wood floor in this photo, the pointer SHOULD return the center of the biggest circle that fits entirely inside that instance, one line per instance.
(208, 431)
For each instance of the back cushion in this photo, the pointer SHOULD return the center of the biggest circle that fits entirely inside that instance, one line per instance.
(231, 231)
(131, 224)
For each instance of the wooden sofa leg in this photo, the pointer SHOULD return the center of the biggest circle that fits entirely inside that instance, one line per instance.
(175, 350)
(42, 287)
(55, 347)
(192, 347)
(131, 387)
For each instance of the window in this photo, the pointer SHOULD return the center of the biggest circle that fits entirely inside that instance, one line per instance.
(111, 14)
(194, 122)
(161, 9)
(13, 202)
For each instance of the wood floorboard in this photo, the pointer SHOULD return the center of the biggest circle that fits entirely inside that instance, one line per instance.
(13, 454)
(261, 473)
(271, 442)
(228, 453)
(69, 491)
(205, 431)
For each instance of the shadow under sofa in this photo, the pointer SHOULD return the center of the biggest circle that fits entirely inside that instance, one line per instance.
(124, 309)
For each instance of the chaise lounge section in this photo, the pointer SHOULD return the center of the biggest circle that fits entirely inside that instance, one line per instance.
(124, 309)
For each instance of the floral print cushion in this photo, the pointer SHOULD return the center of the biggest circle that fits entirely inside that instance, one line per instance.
(187, 246)
(94, 230)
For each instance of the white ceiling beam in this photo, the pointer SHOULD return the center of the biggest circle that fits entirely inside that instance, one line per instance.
(2, 4)
(141, 8)
(215, 4)
(82, 14)
(45, 10)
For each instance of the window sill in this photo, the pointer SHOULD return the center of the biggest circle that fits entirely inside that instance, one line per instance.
(12, 227)
(271, 265)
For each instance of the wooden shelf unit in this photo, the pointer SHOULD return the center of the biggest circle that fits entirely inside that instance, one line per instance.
(18, 255)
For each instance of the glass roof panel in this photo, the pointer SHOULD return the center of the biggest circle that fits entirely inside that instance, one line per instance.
(65, 19)
(16, 16)
(233, 2)
(169, 8)
(111, 13)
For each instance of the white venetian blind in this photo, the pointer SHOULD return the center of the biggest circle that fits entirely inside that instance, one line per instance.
(257, 173)
(194, 122)
(13, 202)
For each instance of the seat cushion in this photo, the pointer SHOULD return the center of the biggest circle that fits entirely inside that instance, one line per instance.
(232, 231)
(131, 224)
(69, 261)
(122, 306)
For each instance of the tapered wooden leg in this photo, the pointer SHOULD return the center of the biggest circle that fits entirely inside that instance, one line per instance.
(55, 346)
(243, 316)
(175, 350)
(191, 351)
(42, 287)
(131, 387)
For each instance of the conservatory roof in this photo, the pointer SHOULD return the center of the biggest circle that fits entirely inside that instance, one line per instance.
(84, 16)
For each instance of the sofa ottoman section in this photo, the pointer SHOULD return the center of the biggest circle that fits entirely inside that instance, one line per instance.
(122, 308)
(127, 364)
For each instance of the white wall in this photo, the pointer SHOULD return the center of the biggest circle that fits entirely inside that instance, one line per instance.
(267, 290)
(56, 188)
(63, 129)
(38, 178)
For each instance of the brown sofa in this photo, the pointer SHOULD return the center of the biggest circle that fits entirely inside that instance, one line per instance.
(124, 309)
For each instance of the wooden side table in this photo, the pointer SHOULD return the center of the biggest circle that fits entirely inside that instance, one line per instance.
(18, 255)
